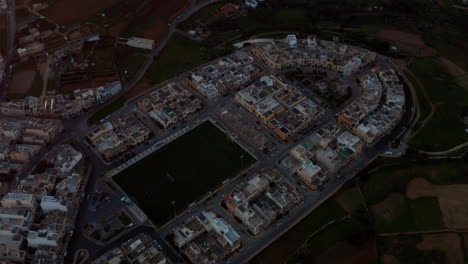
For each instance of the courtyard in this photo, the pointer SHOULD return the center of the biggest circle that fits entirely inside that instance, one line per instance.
(183, 171)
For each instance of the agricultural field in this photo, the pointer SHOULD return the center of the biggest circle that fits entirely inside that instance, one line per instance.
(152, 20)
(391, 209)
(444, 248)
(25, 81)
(141, 18)
(404, 249)
(129, 60)
(179, 55)
(205, 12)
(446, 128)
(393, 175)
(425, 105)
(339, 224)
(397, 207)
(407, 42)
(68, 12)
(397, 213)
(452, 200)
(463, 81)
(449, 244)
(453, 69)
(286, 246)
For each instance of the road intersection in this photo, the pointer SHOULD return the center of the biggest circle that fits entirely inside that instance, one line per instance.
(251, 245)
(77, 129)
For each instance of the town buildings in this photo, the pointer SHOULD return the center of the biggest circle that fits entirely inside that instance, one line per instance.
(170, 105)
(226, 74)
(48, 199)
(262, 200)
(66, 160)
(287, 111)
(207, 239)
(280, 106)
(23, 138)
(139, 250)
(61, 106)
(324, 153)
(380, 107)
(113, 138)
(292, 53)
(37, 215)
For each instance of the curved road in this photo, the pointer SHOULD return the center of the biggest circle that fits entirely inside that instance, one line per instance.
(448, 151)
(76, 128)
(252, 246)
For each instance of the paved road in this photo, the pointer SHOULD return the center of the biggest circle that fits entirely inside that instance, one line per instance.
(252, 246)
(10, 54)
(312, 200)
(78, 128)
(173, 25)
(448, 151)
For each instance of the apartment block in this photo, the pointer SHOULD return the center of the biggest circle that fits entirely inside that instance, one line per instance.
(11, 129)
(170, 105)
(66, 158)
(19, 199)
(61, 106)
(12, 253)
(22, 153)
(51, 203)
(41, 131)
(294, 53)
(206, 239)
(324, 153)
(68, 188)
(112, 139)
(42, 238)
(228, 73)
(38, 185)
(262, 200)
(370, 117)
(141, 249)
(281, 107)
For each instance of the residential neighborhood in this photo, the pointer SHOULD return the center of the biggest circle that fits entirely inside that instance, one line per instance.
(231, 132)
(317, 145)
